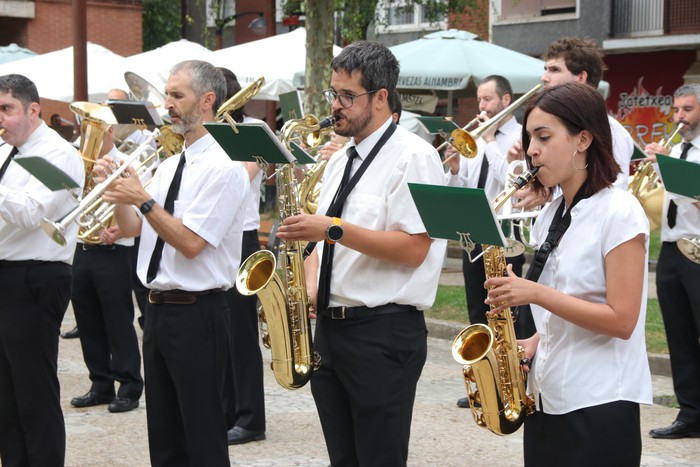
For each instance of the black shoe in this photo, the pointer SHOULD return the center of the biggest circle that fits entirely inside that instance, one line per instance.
(91, 399)
(463, 402)
(238, 435)
(122, 404)
(677, 430)
(72, 334)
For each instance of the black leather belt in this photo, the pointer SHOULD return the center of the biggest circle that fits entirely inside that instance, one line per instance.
(358, 312)
(89, 247)
(177, 297)
(4, 263)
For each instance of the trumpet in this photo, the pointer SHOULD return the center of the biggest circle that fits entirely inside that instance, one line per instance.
(520, 221)
(92, 200)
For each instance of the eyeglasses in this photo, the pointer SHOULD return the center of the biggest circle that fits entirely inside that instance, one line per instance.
(346, 100)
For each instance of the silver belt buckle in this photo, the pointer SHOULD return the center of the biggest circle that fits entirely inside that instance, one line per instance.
(336, 315)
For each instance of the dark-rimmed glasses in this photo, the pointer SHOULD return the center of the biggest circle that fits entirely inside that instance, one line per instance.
(346, 100)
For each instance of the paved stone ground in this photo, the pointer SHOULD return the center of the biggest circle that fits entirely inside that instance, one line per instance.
(442, 433)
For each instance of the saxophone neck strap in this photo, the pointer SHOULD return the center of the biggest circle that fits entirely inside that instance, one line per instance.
(336, 207)
(560, 223)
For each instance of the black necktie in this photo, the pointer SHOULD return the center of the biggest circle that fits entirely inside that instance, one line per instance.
(169, 206)
(485, 166)
(672, 206)
(3, 169)
(324, 282)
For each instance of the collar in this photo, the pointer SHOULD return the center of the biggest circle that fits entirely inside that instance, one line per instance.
(198, 148)
(36, 136)
(368, 143)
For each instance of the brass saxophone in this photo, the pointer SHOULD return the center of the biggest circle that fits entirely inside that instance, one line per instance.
(496, 384)
(281, 285)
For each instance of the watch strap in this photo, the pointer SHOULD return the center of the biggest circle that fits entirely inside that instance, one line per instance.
(146, 207)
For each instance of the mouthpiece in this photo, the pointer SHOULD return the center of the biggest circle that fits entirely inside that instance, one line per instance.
(326, 122)
(2, 131)
(525, 178)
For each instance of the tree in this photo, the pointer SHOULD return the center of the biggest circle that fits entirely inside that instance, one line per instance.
(352, 18)
(161, 23)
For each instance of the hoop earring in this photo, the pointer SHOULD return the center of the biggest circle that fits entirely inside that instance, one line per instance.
(573, 162)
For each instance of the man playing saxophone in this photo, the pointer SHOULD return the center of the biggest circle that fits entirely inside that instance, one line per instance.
(677, 277)
(190, 219)
(370, 331)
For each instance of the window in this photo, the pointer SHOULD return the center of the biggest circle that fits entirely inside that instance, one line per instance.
(219, 9)
(512, 9)
(397, 15)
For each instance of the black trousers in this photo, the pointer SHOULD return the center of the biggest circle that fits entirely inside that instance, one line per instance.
(606, 435)
(185, 354)
(34, 300)
(474, 278)
(140, 291)
(678, 289)
(246, 394)
(104, 311)
(366, 385)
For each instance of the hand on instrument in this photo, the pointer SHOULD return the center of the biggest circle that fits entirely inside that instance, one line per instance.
(452, 158)
(509, 291)
(652, 149)
(529, 346)
(126, 189)
(102, 168)
(110, 235)
(312, 294)
(304, 227)
(515, 153)
(331, 147)
(529, 199)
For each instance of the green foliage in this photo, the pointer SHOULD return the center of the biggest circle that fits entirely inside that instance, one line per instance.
(161, 23)
(451, 305)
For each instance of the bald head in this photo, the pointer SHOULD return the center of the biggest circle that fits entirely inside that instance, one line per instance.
(118, 94)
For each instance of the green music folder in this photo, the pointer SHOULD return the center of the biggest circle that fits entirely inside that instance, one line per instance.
(250, 142)
(291, 106)
(301, 155)
(54, 178)
(438, 125)
(638, 152)
(680, 176)
(454, 213)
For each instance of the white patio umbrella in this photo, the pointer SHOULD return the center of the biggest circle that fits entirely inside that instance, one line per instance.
(277, 58)
(12, 52)
(450, 60)
(52, 72)
(154, 65)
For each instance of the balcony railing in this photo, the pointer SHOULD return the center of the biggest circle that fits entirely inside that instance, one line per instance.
(640, 18)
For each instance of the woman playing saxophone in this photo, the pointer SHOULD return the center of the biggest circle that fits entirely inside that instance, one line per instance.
(589, 368)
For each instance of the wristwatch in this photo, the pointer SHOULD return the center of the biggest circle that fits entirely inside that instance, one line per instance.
(334, 232)
(146, 207)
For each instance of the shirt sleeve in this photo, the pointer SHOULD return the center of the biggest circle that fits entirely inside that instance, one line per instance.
(625, 220)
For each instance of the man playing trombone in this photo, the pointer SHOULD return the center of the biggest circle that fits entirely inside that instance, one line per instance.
(35, 281)
(190, 219)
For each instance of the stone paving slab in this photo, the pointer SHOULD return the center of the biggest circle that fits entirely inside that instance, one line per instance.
(442, 433)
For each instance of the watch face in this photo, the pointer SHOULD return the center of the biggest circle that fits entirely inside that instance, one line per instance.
(335, 232)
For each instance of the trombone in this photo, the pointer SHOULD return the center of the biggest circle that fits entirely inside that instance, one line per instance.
(465, 142)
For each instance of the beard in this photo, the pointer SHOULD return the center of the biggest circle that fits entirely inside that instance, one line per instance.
(355, 126)
(188, 121)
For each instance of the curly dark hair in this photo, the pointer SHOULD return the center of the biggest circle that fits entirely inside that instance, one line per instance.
(579, 55)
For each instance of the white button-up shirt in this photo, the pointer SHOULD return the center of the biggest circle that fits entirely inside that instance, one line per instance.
(381, 200)
(574, 367)
(25, 201)
(623, 147)
(210, 203)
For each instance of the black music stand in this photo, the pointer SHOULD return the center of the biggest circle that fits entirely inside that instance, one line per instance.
(456, 213)
(680, 176)
(143, 114)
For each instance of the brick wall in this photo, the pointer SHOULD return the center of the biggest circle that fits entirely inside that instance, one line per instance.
(115, 25)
